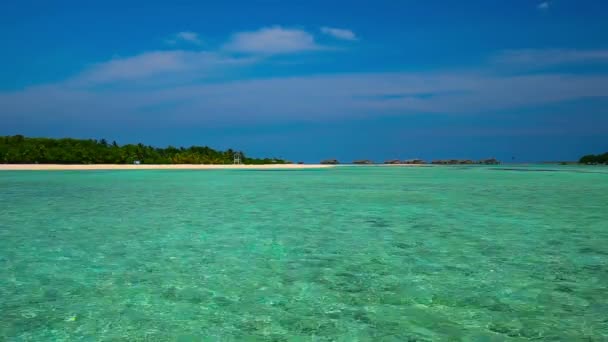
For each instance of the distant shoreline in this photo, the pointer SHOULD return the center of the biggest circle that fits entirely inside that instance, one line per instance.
(80, 167)
(67, 167)
(84, 167)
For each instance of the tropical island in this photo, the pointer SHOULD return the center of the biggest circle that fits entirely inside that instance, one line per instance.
(18, 149)
(594, 159)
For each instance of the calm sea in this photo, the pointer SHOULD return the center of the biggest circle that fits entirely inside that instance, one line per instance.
(353, 253)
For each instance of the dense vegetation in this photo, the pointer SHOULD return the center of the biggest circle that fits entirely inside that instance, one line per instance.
(594, 159)
(22, 150)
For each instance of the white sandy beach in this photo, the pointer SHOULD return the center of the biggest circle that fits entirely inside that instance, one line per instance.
(16, 167)
(64, 167)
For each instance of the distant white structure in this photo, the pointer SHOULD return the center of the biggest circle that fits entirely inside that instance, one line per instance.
(137, 162)
(237, 158)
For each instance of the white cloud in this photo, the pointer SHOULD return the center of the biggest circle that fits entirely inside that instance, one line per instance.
(196, 64)
(543, 6)
(272, 40)
(156, 63)
(338, 33)
(535, 58)
(186, 37)
(184, 95)
(313, 98)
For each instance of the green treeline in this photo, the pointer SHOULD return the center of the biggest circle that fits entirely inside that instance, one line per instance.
(594, 159)
(22, 150)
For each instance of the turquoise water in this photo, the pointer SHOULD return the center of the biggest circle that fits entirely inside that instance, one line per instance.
(347, 254)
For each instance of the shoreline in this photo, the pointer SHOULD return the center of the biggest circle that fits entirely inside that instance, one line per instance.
(84, 167)
(81, 167)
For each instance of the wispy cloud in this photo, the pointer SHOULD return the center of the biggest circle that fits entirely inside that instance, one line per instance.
(272, 40)
(191, 37)
(197, 64)
(120, 87)
(339, 33)
(543, 6)
(535, 58)
(185, 36)
(156, 63)
(313, 98)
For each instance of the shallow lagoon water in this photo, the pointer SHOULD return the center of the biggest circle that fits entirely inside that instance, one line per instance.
(351, 253)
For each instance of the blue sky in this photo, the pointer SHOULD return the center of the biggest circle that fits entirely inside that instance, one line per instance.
(307, 80)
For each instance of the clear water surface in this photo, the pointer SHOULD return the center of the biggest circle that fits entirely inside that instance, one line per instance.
(347, 254)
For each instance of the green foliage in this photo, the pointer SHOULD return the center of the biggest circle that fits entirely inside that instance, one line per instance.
(594, 159)
(22, 150)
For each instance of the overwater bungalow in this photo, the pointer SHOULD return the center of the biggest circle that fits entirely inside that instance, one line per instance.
(414, 161)
(453, 162)
(491, 161)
